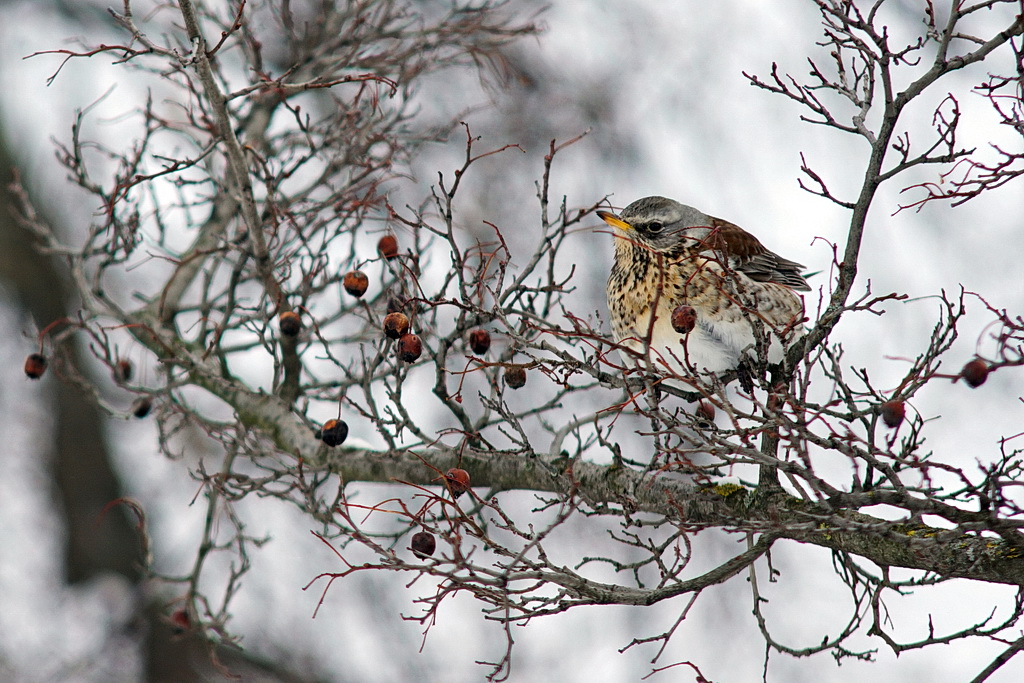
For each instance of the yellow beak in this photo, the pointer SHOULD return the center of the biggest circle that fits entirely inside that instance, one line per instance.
(614, 221)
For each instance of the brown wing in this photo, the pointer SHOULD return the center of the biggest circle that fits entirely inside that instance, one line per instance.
(747, 255)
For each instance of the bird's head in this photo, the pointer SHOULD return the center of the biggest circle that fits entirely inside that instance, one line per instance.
(660, 224)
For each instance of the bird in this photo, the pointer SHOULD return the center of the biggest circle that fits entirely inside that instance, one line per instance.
(669, 255)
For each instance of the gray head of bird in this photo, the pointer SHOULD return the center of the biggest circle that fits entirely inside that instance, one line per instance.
(660, 223)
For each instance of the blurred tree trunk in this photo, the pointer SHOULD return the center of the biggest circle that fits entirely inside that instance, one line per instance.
(83, 475)
(84, 480)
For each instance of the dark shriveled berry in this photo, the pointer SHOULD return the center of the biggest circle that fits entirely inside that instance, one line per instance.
(409, 348)
(457, 481)
(123, 371)
(35, 365)
(479, 341)
(333, 433)
(290, 323)
(515, 376)
(684, 319)
(893, 412)
(355, 283)
(388, 246)
(395, 325)
(142, 406)
(975, 373)
(423, 544)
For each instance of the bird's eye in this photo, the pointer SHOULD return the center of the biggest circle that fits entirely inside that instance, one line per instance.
(655, 227)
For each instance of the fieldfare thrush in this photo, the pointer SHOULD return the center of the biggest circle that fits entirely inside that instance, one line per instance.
(668, 254)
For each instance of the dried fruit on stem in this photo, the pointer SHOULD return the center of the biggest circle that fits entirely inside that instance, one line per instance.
(388, 246)
(333, 433)
(423, 544)
(142, 406)
(396, 325)
(356, 283)
(479, 341)
(123, 371)
(409, 348)
(457, 481)
(893, 413)
(975, 373)
(291, 323)
(515, 376)
(180, 622)
(684, 319)
(35, 365)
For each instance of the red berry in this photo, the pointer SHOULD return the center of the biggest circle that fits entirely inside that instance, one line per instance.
(706, 411)
(35, 365)
(409, 348)
(388, 246)
(479, 341)
(457, 481)
(333, 433)
(180, 621)
(515, 376)
(974, 373)
(355, 283)
(290, 323)
(423, 544)
(684, 319)
(893, 412)
(142, 406)
(395, 325)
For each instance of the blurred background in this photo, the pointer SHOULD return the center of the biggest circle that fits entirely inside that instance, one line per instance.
(660, 90)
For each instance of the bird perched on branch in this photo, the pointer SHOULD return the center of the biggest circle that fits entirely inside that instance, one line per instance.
(669, 255)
